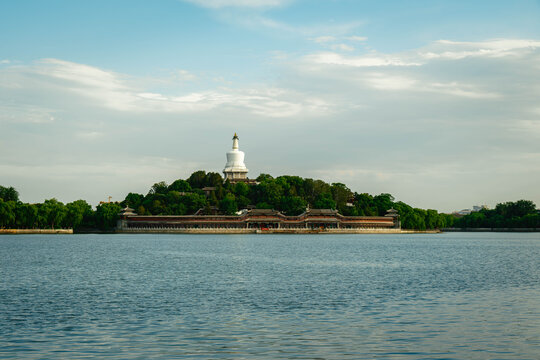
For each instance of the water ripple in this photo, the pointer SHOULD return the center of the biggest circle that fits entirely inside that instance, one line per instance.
(449, 296)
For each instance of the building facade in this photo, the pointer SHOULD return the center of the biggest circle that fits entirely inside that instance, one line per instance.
(260, 221)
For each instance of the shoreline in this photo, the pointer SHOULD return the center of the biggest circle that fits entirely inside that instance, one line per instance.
(262, 232)
(36, 231)
(275, 231)
(490, 230)
(216, 232)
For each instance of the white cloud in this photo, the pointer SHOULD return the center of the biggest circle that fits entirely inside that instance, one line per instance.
(26, 113)
(382, 81)
(438, 131)
(530, 127)
(4, 62)
(324, 32)
(114, 91)
(107, 87)
(152, 96)
(90, 135)
(455, 50)
(374, 60)
(342, 47)
(409, 70)
(185, 75)
(463, 90)
(218, 4)
(357, 38)
(442, 49)
(324, 39)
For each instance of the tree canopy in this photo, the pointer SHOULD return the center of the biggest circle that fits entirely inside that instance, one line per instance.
(519, 214)
(289, 194)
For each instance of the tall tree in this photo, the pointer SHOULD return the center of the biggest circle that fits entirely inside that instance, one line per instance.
(228, 204)
(107, 215)
(180, 185)
(159, 188)
(52, 213)
(78, 213)
(9, 194)
(197, 180)
(7, 214)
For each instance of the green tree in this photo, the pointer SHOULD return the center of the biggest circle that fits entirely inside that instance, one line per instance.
(309, 190)
(432, 218)
(364, 205)
(78, 213)
(214, 179)
(293, 205)
(7, 214)
(530, 221)
(197, 180)
(9, 194)
(193, 202)
(516, 209)
(241, 189)
(51, 213)
(321, 189)
(133, 200)
(270, 192)
(180, 186)
(107, 215)
(324, 201)
(383, 203)
(228, 204)
(341, 195)
(414, 220)
(264, 205)
(264, 177)
(159, 188)
(25, 216)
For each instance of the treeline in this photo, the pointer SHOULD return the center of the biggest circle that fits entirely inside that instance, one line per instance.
(519, 214)
(288, 194)
(53, 214)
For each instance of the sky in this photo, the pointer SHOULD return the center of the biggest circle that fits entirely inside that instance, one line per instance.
(434, 102)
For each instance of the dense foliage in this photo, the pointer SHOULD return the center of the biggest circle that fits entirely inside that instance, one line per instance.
(519, 214)
(53, 214)
(288, 194)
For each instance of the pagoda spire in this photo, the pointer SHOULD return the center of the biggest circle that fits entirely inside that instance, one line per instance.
(235, 142)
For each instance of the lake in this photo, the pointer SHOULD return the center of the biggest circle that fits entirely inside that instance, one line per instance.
(153, 296)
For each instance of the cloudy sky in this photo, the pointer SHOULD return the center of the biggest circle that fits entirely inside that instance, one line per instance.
(435, 102)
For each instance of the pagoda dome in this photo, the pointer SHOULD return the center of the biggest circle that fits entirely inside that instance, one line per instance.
(235, 167)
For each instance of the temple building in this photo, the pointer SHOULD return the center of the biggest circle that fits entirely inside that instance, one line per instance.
(261, 220)
(235, 170)
(253, 220)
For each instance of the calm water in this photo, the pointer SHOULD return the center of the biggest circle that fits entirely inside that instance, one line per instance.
(447, 296)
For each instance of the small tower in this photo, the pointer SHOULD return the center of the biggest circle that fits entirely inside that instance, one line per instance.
(235, 170)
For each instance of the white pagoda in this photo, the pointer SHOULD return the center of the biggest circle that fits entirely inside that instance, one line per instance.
(235, 169)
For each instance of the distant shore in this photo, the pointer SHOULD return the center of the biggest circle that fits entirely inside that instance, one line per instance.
(36, 231)
(217, 231)
(257, 231)
(274, 231)
(490, 230)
